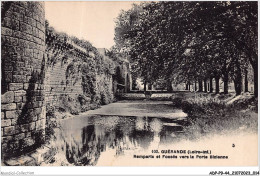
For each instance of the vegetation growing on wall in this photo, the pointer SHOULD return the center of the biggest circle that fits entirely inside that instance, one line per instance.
(83, 65)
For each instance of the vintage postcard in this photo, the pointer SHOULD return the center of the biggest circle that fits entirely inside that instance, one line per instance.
(129, 83)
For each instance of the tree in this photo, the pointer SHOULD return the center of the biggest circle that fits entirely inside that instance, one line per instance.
(193, 41)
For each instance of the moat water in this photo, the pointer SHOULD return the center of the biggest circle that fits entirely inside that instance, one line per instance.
(101, 139)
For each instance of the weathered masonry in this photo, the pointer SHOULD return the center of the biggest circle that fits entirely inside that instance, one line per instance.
(79, 77)
(42, 68)
(23, 47)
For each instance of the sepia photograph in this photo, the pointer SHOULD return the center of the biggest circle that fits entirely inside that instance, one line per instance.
(129, 83)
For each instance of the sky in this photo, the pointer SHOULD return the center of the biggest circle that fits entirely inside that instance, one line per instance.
(93, 21)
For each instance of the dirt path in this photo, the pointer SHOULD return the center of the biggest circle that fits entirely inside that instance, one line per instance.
(139, 108)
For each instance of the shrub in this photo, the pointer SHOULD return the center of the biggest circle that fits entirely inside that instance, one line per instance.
(96, 98)
(213, 116)
(177, 102)
(50, 111)
(83, 99)
(68, 104)
(245, 104)
(104, 99)
(50, 122)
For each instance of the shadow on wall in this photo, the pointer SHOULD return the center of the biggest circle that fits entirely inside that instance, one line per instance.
(4, 8)
(29, 118)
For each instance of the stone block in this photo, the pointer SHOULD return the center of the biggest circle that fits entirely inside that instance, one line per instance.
(14, 41)
(14, 122)
(35, 104)
(17, 15)
(30, 112)
(18, 99)
(40, 104)
(6, 31)
(2, 115)
(7, 97)
(17, 68)
(9, 130)
(38, 98)
(38, 25)
(8, 68)
(19, 136)
(28, 78)
(17, 34)
(27, 20)
(12, 114)
(28, 134)
(23, 4)
(37, 35)
(10, 106)
(20, 105)
(18, 72)
(24, 98)
(25, 28)
(38, 111)
(40, 124)
(34, 118)
(6, 139)
(20, 11)
(39, 117)
(33, 22)
(19, 93)
(25, 85)
(20, 65)
(41, 93)
(19, 78)
(23, 43)
(15, 24)
(30, 38)
(15, 86)
(42, 86)
(42, 48)
(6, 123)
(41, 34)
(34, 34)
(31, 47)
(28, 12)
(39, 41)
(8, 75)
(4, 148)
(32, 126)
(26, 142)
(6, 40)
(27, 71)
(24, 128)
(7, 22)
(36, 51)
(29, 105)
(17, 129)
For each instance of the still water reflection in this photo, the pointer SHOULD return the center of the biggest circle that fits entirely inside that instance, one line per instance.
(82, 140)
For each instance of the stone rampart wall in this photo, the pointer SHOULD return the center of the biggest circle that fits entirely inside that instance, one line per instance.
(23, 62)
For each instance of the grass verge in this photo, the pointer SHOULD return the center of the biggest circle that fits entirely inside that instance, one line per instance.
(215, 114)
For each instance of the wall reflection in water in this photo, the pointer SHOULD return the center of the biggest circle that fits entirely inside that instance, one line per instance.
(82, 140)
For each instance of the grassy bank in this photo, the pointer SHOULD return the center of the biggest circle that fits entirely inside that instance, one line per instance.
(218, 114)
